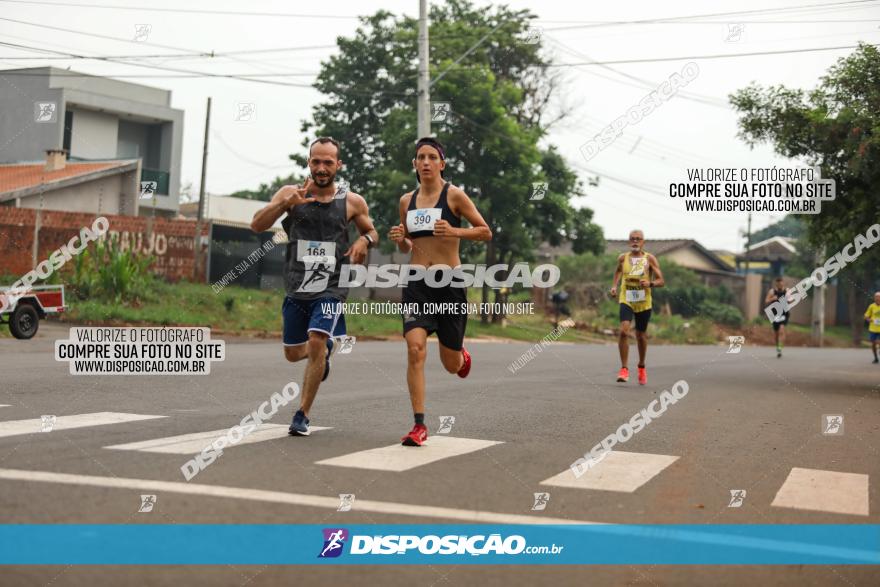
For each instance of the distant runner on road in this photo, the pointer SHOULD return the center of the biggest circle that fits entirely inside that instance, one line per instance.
(777, 293)
(872, 315)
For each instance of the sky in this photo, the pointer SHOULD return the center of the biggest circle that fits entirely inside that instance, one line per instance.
(696, 127)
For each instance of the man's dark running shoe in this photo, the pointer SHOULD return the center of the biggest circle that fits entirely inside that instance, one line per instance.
(876, 360)
(466, 366)
(416, 436)
(300, 424)
(778, 353)
(330, 346)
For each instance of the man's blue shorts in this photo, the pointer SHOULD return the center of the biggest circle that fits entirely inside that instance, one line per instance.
(874, 336)
(303, 316)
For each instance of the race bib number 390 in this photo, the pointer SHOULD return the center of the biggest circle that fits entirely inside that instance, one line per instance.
(422, 219)
(314, 249)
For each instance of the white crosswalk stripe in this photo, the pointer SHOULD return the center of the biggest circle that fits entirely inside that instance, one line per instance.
(824, 491)
(188, 444)
(35, 425)
(403, 458)
(618, 471)
(386, 508)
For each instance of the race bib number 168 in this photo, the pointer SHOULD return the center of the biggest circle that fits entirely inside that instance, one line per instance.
(306, 248)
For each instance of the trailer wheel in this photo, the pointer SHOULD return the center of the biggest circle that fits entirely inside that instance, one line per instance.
(24, 322)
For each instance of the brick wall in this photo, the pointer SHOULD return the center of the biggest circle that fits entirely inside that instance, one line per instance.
(169, 241)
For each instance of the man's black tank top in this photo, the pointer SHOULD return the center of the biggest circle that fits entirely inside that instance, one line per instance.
(311, 230)
(414, 219)
(780, 295)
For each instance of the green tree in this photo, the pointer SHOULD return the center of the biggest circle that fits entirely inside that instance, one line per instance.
(499, 89)
(835, 126)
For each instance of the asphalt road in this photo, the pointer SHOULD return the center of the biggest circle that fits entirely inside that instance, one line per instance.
(749, 422)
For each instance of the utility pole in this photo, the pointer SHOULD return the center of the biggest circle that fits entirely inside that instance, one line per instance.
(424, 84)
(817, 332)
(748, 241)
(198, 237)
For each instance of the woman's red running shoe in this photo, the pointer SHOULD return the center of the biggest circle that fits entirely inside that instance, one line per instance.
(466, 367)
(416, 436)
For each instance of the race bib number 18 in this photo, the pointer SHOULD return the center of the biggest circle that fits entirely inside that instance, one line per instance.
(635, 295)
(314, 249)
(422, 219)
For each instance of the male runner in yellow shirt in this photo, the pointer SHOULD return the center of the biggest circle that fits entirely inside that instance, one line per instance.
(872, 315)
(640, 272)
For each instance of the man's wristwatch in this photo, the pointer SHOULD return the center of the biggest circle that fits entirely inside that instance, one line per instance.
(370, 241)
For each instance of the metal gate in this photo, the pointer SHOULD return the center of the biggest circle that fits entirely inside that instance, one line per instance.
(230, 248)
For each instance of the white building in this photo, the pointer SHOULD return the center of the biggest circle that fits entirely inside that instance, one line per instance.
(94, 119)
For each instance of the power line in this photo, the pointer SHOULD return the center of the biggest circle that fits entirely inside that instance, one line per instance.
(96, 35)
(651, 202)
(674, 19)
(148, 66)
(554, 65)
(641, 82)
(203, 54)
(717, 56)
(576, 24)
(185, 10)
(463, 55)
(812, 21)
(661, 149)
(241, 157)
(645, 187)
(661, 152)
(255, 78)
(195, 75)
(118, 39)
(249, 78)
(230, 54)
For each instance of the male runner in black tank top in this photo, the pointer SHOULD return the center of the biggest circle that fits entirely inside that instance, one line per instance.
(777, 292)
(318, 215)
(430, 228)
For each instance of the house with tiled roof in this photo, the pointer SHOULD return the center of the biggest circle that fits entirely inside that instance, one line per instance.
(99, 187)
(104, 126)
(683, 251)
(770, 255)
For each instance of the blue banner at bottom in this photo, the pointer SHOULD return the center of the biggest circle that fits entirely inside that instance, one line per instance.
(414, 544)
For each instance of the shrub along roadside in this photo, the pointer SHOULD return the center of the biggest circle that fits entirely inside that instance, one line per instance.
(105, 272)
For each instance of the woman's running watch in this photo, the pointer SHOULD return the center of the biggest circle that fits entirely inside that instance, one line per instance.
(370, 241)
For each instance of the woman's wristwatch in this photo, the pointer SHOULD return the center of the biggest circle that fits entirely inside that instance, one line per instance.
(370, 241)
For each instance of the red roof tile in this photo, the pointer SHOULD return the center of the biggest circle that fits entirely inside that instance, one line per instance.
(23, 175)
